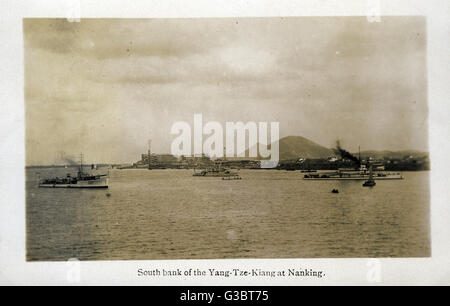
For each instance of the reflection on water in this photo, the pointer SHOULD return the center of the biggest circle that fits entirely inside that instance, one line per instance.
(169, 214)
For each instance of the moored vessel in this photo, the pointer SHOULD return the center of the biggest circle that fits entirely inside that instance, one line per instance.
(370, 182)
(82, 180)
(360, 174)
(217, 171)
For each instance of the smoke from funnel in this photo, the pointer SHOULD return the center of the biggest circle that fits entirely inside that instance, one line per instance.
(67, 160)
(70, 161)
(345, 154)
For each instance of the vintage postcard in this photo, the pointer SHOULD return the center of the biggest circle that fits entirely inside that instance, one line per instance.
(144, 138)
(151, 139)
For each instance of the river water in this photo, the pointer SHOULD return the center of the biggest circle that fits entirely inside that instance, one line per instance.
(169, 214)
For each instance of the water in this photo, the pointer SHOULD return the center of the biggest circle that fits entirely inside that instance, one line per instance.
(169, 214)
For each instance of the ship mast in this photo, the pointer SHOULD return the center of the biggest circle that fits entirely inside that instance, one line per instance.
(371, 173)
(149, 149)
(359, 154)
(223, 159)
(80, 172)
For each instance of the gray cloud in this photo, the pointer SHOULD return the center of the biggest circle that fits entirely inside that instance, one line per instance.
(106, 85)
(116, 38)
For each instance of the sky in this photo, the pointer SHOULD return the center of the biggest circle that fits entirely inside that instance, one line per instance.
(105, 86)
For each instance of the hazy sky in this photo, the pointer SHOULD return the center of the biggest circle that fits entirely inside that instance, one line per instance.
(105, 86)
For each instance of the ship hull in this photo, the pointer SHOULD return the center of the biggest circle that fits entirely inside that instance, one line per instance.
(215, 175)
(70, 186)
(361, 178)
(97, 184)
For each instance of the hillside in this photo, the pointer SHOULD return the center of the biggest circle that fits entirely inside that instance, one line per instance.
(294, 147)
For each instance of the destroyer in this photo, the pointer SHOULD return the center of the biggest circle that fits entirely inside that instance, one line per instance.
(361, 174)
(82, 180)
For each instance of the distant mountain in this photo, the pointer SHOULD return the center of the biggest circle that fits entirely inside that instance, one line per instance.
(294, 147)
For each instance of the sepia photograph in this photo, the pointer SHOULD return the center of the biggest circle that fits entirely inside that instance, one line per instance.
(226, 138)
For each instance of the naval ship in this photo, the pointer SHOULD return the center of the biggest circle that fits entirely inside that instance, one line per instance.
(360, 174)
(82, 180)
(218, 171)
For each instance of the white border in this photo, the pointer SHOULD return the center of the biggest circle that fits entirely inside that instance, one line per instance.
(15, 270)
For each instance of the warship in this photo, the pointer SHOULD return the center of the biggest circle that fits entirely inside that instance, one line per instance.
(82, 180)
(362, 174)
(217, 171)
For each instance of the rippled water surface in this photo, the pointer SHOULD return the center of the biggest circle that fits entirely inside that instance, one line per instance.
(169, 214)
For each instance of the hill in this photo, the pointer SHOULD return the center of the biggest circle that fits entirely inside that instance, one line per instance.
(294, 147)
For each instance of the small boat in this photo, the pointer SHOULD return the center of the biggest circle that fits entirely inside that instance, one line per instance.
(370, 182)
(82, 180)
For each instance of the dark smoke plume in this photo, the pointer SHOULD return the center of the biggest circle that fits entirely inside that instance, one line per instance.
(70, 161)
(67, 160)
(345, 154)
